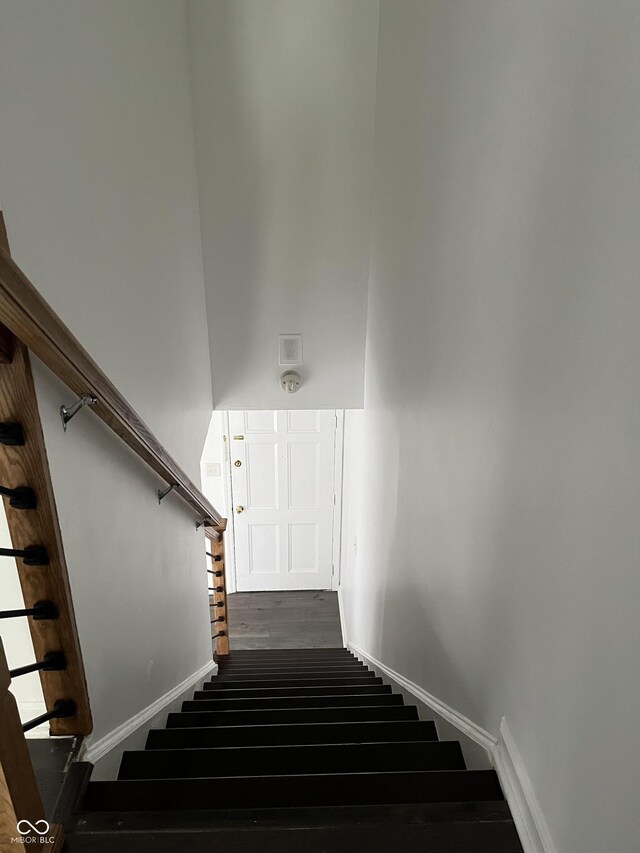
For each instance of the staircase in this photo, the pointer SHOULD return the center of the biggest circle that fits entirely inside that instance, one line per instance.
(296, 751)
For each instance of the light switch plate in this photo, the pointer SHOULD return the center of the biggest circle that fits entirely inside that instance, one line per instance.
(212, 469)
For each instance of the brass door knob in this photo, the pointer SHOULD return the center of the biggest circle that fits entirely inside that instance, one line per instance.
(237, 463)
(239, 509)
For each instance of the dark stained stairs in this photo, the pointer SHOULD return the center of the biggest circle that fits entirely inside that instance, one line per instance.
(295, 751)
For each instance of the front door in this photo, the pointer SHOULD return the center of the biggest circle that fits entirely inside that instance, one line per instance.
(282, 473)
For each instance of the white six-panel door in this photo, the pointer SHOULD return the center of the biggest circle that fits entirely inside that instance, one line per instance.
(282, 472)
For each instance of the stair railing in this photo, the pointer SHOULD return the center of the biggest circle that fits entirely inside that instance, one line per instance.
(218, 588)
(27, 323)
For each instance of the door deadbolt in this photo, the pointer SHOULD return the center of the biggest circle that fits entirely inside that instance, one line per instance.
(239, 509)
(237, 463)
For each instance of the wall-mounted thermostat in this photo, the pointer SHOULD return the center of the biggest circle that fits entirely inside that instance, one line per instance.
(289, 350)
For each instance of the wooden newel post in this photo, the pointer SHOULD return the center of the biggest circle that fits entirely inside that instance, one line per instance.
(215, 546)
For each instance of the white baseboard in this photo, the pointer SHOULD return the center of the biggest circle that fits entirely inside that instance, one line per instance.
(343, 624)
(518, 790)
(93, 751)
(462, 723)
(508, 764)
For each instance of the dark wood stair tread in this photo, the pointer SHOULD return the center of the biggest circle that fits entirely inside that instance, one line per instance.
(486, 837)
(280, 818)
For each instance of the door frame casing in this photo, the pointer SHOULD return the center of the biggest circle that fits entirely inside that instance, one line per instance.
(336, 525)
(336, 532)
(230, 536)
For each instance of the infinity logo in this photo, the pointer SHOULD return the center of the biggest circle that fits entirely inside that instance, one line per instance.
(31, 827)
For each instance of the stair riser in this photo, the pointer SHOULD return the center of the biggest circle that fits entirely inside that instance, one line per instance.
(284, 716)
(287, 662)
(261, 675)
(304, 654)
(204, 702)
(236, 669)
(291, 674)
(278, 735)
(319, 690)
(332, 681)
(308, 790)
(265, 761)
(288, 658)
(286, 654)
(345, 660)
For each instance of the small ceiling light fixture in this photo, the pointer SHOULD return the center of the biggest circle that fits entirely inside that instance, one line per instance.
(290, 381)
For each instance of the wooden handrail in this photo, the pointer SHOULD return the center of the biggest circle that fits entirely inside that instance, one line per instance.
(32, 321)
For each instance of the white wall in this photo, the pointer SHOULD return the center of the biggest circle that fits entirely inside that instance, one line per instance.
(217, 489)
(213, 486)
(284, 100)
(496, 497)
(98, 184)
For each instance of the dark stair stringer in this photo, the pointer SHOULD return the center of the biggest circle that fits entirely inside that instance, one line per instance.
(295, 750)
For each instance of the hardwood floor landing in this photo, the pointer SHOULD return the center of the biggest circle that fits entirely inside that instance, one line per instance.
(284, 620)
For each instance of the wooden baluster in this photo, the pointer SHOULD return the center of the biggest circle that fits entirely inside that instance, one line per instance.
(216, 547)
(19, 795)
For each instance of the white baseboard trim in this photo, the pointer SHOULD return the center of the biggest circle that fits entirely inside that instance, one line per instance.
(518, 790)
(508, 764)
(343, 624)
(462, 723)
(94, 751)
